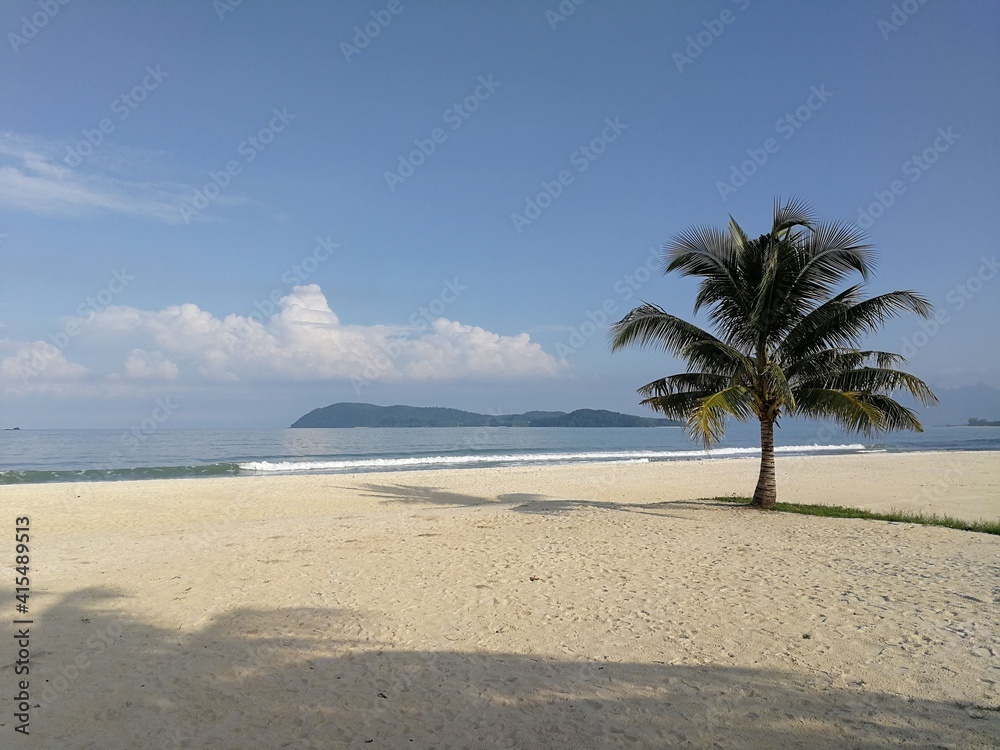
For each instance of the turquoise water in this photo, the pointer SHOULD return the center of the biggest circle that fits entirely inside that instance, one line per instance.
(31, 456)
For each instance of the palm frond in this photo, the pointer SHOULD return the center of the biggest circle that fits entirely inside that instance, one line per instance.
(838, 323)
(736, 235)
(717, 357)
(822, 363)
(676, 405)
(685, 382)
(699, 251)
(836, 249)
(778, 392)
(794, 212)
(783, 338)
(707, 420)
(865, 414)
(778, 304)
(880, 381)
(895, 416)
(651, 326)
(709, 253)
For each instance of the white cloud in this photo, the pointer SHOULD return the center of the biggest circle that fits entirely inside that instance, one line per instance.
(37, 366)
(35, 178)
(304, 341)
(143, 365)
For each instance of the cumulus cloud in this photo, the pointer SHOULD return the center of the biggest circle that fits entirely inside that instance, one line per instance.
(302, 341)
(37, 366)
(144, 365)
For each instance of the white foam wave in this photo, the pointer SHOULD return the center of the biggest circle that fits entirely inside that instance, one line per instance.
(525, 458)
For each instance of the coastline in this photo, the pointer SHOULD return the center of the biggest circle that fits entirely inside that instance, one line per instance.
(95, 455)
(565, 606)
(964, 484)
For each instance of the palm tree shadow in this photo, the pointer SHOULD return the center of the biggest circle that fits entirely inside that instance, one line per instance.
(518, 502)
(418, 494)
(310, 677)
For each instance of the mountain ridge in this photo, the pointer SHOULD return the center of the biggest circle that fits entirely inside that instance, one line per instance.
(347, 414)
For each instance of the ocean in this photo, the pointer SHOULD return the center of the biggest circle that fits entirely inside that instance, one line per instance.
(34, 456)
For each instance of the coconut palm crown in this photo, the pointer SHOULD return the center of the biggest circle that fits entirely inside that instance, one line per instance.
(786, 339)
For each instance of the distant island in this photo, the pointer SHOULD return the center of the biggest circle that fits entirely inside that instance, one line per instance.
(983, 423)
(369, 415)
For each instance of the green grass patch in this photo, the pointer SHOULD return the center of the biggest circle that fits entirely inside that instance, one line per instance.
(895, 516)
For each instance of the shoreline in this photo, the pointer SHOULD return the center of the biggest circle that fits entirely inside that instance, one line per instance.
(963, 484)
(199, 471)
(547, 607)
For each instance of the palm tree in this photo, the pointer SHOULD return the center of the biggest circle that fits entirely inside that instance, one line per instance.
(786, 339)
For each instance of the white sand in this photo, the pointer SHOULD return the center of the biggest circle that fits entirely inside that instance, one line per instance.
(567, 607)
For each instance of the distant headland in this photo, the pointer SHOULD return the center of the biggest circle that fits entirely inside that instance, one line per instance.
(369, 415)
(983, 423)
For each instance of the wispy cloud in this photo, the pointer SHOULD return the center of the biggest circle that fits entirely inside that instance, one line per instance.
(34, 178)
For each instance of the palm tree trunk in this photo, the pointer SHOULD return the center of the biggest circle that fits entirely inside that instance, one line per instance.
(766, 494)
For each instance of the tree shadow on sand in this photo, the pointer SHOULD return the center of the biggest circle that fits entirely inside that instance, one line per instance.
(521, 502)
(311, 677)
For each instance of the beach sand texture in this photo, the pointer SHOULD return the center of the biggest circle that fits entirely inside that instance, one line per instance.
(589, 606)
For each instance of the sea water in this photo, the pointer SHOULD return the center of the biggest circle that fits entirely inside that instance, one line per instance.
(29, 456)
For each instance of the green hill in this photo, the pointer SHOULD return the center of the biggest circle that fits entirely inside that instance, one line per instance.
(601, 418)
(369, 415)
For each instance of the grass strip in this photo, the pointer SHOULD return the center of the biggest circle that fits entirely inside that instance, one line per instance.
(894, 516)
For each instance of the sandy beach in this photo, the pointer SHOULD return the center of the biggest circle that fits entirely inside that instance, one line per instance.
(589, 606)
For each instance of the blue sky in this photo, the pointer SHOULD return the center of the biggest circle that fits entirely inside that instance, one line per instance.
(253, 209)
